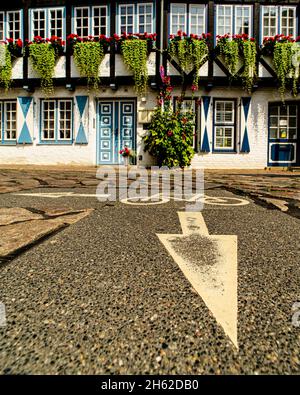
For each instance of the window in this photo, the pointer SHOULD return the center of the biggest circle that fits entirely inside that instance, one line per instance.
(178, 18)
(47, 22)
(145, 18)
(136, 18)
(10, 25)
(283, 122)
(224, 125)
(56, 121)
(197, 19)
(278, 20)
(190, 19)
(233, 19)
(91, 21)
(8, 117)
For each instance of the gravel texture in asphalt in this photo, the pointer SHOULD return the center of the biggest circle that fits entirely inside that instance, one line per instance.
(103, 295)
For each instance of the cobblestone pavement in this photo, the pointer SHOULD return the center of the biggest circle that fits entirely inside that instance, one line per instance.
(104, 296)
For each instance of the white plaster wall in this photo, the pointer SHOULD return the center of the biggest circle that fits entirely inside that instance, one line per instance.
(17, 69)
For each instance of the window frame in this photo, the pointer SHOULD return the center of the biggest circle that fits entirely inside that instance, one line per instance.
(47, 11)
(136, 15)
(56, 140)
(234, 18)
(5, 14)
(187, 14)
(3, 119)
(278, 27)
(232, 125)
(278, 116)
(91, 14)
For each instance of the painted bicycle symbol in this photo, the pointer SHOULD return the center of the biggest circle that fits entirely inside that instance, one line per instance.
(204, 199)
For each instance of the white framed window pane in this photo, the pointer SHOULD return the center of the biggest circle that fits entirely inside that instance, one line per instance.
(224, 112)
(145, 15)
(39, 23)
(269, 21)
(56, 22)
(2, 25)
(178, 16)
(126, 13)
(14, 24)
(243, 17)
(64, 120)
(81, 21)
(49, 120)
(224, 19)
(224, 137)
(10, 120)
(100, 21)
(197, 19)
(288, 21)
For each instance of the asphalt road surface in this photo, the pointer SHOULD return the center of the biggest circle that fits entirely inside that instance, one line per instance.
(104, 296)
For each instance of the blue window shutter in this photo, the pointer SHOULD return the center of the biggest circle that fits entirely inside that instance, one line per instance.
(245, 147)
(24, 136)
(205, 109)
(82, 104)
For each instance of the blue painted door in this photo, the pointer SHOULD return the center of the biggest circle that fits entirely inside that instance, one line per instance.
(284, 134)
(116, 130)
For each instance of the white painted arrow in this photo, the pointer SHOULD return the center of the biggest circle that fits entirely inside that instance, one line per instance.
(214, 280)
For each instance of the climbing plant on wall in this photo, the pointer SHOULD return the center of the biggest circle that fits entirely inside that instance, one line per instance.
(135, 54)
(170, 135)
(190, 52)
(43, 54)
(88, 56)
(285, 53)
(5, 67)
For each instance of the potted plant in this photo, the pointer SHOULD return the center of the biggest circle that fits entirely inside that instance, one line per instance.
(127, 154)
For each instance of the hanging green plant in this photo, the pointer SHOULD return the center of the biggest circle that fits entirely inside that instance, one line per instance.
(249, 53)
(282, 59)
(296, 67)
(239, 49)
(135, 54)
(43, 59)
(190, 53)
(88, 57)
(5, 67)
(229, 50)
(285, 53)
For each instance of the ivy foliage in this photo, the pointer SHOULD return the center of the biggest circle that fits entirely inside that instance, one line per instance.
(284, 66)
(236, 49)
(229, 49)
(88, 57)
(191, 53)
(5, 67)
(135, 55)
(249, 53)
(43, 57)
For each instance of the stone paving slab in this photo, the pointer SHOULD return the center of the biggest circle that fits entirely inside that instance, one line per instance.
(21, 228)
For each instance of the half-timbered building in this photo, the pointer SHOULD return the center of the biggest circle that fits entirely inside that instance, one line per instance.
(74, 125)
